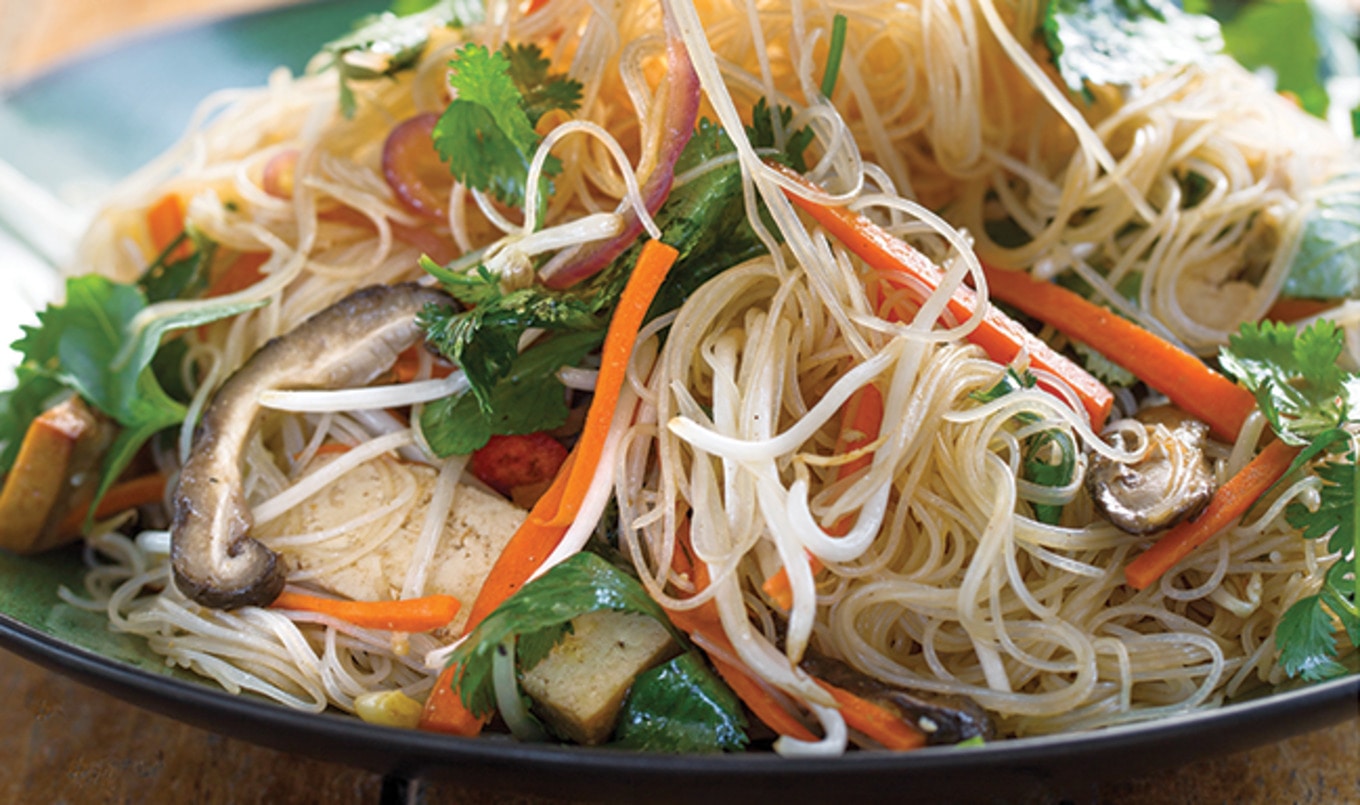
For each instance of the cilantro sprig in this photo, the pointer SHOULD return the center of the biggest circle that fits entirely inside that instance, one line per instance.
(1312, 402)
(486, 134)
(1298, 383)
(705, 219)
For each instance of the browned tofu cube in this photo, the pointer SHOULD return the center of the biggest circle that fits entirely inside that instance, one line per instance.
(581, 684)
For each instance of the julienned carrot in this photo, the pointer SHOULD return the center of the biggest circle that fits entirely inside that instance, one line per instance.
(860, 714)
(531, 543)
(1182, 377)
(653, 264)
(1002, 338)
(165, 225)
(403, 615)
(1289, 309)
(243, 272)
(860, 423)
(1228, 504)
(120, 497)
(868, 718)
(756, 698)
(703, 621)
(557, 509)
(550, 518)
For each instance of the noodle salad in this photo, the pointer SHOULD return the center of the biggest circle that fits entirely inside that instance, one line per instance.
(711, 375)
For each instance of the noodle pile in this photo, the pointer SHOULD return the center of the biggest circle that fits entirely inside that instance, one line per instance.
(943, 112)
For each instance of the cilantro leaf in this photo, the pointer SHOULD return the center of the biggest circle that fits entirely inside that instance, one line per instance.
(529, 398)
(1309, 400)
(382, 45)
(1120, 42)
(1295, 376)
(541, 91)
(484, 339)
(761, 134)
(1327, 264)
(582, 583)
(1306, 642)
(181, 279)
(486, 135)
(705, 219)
(681, 706)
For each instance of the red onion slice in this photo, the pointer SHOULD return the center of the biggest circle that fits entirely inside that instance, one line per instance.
(413, 169)
(682, 110)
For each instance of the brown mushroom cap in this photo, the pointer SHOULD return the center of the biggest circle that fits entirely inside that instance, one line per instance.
(1170, 483)
(350, 343)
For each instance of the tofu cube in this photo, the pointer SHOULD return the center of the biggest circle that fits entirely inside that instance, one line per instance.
(580, 686)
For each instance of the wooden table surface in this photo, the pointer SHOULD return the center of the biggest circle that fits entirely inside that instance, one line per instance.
(63, 742)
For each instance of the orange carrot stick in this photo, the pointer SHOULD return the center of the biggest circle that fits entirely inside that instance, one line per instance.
(703, 621)
(408, 363)
(754, 695)
(554, 512)
(120, 497)
(165, 225)
(1000, 336)
(402, 615)
(1182, 377)
(860, 714)
(1228, 504)
(243, 272)
(860, 423)
(863, 715)
(1290, 309)
(652, 267)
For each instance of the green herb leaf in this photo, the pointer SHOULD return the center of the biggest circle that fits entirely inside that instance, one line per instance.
(487, 134)
(1303, 43)
(1295, 376)
(681, 706)
(541, 91)
(762, 135)
(1306, 641)
(529, 398)
(1327, 265)
(185, 278)
(382, 45)
(1120, 42)
(484, 339)
(582, 583)
(1309, 401)
(87, 345)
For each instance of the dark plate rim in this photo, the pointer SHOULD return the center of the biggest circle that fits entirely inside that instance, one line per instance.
(1062, 762)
